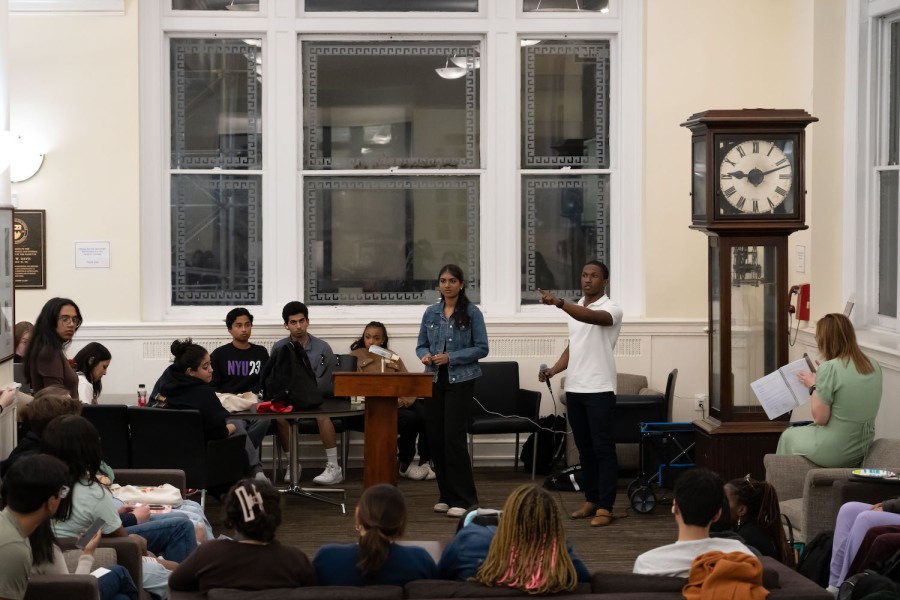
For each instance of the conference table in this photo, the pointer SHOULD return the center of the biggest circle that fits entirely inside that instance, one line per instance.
(381, 391)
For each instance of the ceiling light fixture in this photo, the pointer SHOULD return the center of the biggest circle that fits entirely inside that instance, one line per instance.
(243, 6)
(525, 43)
(448, 72)
(466, 62)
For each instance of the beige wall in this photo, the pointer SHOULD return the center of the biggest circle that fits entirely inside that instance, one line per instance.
(74, 91)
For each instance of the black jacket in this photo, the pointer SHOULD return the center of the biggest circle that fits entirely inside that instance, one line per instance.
(184, 392)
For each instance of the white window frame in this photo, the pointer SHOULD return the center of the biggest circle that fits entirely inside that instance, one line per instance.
(500, 23)
(865, 113)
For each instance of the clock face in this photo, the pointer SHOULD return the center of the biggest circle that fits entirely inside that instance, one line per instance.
(756, 176)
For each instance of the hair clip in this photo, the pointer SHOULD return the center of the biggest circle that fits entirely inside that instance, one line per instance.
(248, 501)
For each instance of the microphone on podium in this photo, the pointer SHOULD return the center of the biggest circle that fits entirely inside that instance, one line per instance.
(543, 368)
(383, 352)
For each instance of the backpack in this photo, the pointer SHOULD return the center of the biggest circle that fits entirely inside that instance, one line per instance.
(884, 576)
(551, 445)
(287, 379)
(567, 480)
(815, 561)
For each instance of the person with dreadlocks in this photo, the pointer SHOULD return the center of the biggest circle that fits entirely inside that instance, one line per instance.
(375, 559)
(528, 551)
(757, 519)
(253, 559)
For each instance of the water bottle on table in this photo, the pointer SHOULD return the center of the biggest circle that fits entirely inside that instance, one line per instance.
(142, 395)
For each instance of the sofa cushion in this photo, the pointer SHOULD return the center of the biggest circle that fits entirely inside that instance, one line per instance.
(323, 592)
(627, 383)
(621, 583)
(435, 588)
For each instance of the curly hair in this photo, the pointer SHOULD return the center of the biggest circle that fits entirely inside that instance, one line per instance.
(529, 550)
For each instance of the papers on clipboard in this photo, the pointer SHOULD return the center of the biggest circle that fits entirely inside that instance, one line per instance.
(781, 391)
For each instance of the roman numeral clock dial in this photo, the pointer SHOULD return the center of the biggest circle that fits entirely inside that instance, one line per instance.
(755, 177)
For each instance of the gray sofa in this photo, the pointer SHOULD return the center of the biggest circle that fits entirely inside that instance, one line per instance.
(782, 582)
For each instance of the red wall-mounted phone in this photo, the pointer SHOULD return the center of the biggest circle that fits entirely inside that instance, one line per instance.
(802, 306)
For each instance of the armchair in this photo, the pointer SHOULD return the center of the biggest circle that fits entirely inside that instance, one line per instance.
(805, 489)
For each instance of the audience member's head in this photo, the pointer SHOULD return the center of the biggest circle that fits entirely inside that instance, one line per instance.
(191, 359)
(49, 403)
(92, 361)
(33, 484)
(54, 328)
(253, 509)
(750, 500)
(698, 497)
(529, 551)
(292, 308)
(22, 335)
(75, 441)
(373, 333)
(836, 338)
(233, 315)
(380, 519)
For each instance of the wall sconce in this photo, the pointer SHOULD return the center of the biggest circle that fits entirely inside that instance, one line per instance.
(20, 156)
(448, 72)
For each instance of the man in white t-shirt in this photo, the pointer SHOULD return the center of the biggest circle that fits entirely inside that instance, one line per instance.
(594, 323)
(697, 505)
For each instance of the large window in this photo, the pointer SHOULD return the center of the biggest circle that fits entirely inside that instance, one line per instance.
(565, 124)
(311, 150)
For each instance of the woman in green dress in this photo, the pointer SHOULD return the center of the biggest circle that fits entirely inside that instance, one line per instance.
(845, 393)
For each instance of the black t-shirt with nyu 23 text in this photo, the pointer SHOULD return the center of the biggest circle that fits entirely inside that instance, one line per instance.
(237, 371)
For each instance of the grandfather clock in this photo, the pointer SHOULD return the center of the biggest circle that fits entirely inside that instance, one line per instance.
(747, 196)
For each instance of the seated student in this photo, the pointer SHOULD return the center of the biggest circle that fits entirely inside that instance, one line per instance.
(236, 365)
(757, 519)
(696, 505)
(30, 494)
(75, 441)
(853, 521)
(520, 552)
(184, 385)
(49, 403)
(49, 559)
(410, 413)
(91, 363)
(254, 559)
(375, 559)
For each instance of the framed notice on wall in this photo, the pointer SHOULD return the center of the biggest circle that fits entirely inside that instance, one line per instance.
(30, 249)
(7, 296)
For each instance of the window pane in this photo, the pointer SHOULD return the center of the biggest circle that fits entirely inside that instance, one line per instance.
(392, 5)
(382, 104)
(557, 5)
(565, 104)
(216, 103)
(233, 5)
(216, 240)
(894, 101)
(565, 223)
(887, 244)
(383, 240)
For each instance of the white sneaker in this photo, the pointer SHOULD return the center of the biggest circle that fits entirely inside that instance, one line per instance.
(417, 472)
(441, 507)
(456, 512)
(431, 474)
(331, 475)
(287, 474)
(261, 476)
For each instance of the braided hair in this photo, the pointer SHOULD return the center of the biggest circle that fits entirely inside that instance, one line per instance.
(761, 501)
(529, 550)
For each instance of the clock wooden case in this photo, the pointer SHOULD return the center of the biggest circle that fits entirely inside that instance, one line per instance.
(747, 195)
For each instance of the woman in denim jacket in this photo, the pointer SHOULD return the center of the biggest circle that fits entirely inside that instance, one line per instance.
(452, 338)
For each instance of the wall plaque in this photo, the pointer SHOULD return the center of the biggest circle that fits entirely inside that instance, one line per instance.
(30, 249)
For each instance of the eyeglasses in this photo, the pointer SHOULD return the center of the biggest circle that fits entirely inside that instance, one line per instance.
(63, 492)
(68, 320)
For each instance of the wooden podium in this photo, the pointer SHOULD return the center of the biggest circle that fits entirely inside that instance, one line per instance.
(381, 391)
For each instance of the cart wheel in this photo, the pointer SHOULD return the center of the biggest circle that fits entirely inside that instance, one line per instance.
(635, 484)
(643, 500)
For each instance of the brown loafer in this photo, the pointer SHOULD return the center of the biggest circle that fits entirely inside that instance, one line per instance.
(602, 517)
(587, 510)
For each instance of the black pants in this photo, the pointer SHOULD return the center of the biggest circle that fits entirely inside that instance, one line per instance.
(446, 416)
(411, 425)
(591, 417)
